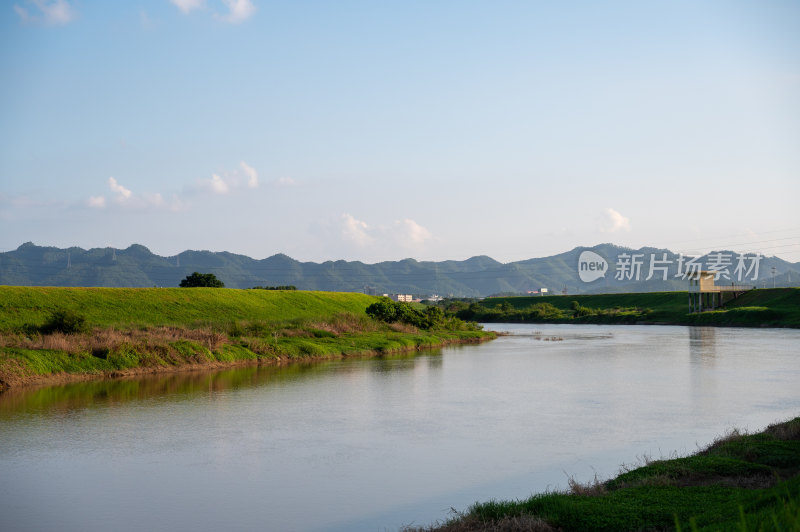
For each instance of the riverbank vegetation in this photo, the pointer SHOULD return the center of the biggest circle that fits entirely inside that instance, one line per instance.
(51, 332)
(778, 307)
(741, 482)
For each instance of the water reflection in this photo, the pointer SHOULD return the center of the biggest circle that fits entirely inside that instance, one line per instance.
(703, 345)
(56, 400)
(703, 378)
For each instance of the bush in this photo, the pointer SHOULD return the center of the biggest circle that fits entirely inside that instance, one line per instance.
(581, 311)
(389, 311)
(383, 310)
(65, 321)
(544, 311)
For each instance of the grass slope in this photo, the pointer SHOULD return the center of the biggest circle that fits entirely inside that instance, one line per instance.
(762, 307)
(154, 329)
(20, 306)
(741, 482)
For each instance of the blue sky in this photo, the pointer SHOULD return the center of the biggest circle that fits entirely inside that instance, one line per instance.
(382, 130)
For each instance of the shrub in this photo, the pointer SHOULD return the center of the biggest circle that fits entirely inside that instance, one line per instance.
(581, 311)
(383, 310)
(66, 322)
(390, 311)
(544, 311)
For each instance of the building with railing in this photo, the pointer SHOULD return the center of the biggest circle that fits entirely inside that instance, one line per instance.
(705, 294)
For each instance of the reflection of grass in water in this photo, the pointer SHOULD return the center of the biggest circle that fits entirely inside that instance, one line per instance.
(741, 482)
(87, 394)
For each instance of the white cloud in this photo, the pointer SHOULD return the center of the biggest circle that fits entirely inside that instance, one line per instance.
(188, 6)
(228, 181)
(122, 192)
(156, 200)
(410, 234)
(125, 198)
(55, 13)
(96, 202)
(238, 10)
(216, 185)
(355, 231)
(250, 172)
(406, 234)
(614, 222)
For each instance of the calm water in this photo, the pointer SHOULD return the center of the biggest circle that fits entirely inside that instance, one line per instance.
(375, 444)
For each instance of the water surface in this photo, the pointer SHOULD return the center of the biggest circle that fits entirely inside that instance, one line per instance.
(374, 444)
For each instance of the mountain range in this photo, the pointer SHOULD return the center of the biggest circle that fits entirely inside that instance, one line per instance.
(136, 266)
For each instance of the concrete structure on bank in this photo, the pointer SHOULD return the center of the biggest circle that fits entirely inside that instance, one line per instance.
(704, 294)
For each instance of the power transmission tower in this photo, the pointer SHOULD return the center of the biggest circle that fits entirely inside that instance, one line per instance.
(69, 261)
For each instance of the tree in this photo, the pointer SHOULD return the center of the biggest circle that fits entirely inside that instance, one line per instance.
(202, 279)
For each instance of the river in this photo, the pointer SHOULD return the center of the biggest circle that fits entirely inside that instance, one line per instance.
(375, 444)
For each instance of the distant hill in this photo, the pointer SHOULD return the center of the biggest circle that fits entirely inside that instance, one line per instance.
(136, 266)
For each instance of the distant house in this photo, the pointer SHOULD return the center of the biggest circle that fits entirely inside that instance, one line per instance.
(400, 298)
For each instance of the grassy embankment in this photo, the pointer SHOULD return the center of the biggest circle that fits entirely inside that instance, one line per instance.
(779, 307)
(741, 482)
(142, 329)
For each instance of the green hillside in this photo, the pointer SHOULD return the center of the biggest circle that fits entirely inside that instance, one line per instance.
(102, 307)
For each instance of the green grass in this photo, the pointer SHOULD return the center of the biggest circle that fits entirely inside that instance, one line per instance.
(742, 483)
(164, 328)
(773, 307)
(103, 307)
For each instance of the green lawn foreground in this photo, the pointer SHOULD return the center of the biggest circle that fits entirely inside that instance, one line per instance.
(742, 482)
